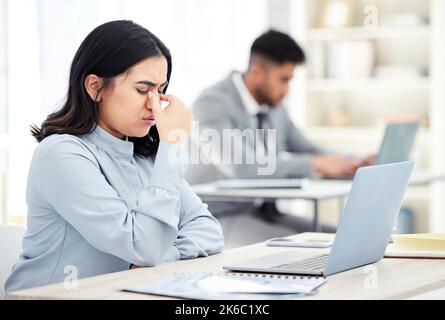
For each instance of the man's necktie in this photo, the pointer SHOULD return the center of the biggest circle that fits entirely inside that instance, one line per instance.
(261, 118)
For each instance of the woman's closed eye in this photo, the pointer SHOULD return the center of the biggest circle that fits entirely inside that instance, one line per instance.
(145, 91)
(142, 91)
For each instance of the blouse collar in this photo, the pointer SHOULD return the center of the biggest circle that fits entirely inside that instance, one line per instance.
(110, 144)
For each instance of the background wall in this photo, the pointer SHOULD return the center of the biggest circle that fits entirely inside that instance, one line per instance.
(208, 39)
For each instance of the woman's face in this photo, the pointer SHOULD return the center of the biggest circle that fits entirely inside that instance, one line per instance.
(123, 108)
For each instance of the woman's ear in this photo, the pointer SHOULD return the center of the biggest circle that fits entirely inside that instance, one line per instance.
(93, 85)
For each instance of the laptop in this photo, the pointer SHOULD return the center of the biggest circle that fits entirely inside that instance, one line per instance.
(363, 233)
(397, 142)
(396, 145)
(262, 184)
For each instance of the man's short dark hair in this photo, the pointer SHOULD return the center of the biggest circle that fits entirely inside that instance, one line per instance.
(277, 47)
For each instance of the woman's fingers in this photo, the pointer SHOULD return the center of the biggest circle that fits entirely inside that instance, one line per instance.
(154, 103)
(166, 97)
(167, 101)
(174, 121)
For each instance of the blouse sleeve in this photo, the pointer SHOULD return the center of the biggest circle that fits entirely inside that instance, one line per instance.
(71, 182)
(200, 234)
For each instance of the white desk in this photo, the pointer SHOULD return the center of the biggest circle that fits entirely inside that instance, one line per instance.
(395, 278)
(316, 191)
(438, 294)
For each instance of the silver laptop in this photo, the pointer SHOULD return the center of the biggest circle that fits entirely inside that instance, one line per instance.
(262, 184)
(396, 145)
(364, 230)
(397, 142)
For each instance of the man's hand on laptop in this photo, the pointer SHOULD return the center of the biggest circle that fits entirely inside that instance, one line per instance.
(334, 166)
(366, 161)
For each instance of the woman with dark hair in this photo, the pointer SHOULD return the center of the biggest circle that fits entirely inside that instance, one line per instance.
(106, 186)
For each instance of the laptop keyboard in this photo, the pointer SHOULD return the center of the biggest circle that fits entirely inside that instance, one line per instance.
(317, 263)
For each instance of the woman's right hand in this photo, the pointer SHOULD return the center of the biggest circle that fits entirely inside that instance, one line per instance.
(174, 122)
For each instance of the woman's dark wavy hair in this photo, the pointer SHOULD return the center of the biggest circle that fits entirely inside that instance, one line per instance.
(108, 51)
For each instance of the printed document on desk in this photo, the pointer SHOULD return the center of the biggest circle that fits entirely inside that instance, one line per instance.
(228, 286)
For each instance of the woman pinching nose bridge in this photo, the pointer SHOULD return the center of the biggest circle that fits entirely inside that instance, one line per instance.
(104, 193)
(174, 122)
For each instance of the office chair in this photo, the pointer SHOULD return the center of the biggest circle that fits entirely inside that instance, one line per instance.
(11, 240)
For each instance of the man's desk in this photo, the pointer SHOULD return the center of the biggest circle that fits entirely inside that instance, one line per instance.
(316, 191)
(386, 279)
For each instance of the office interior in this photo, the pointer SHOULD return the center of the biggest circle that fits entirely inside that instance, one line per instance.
(369, 62)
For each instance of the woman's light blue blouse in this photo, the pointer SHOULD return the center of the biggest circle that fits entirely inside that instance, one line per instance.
(95, 207)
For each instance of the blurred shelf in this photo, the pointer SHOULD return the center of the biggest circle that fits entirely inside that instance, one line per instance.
(368, 84)
(418, 194)
(353, 33)
(368, 100)
(19, 219)
(4, 141)
(351, 133)
(327, 133)
(8, 140)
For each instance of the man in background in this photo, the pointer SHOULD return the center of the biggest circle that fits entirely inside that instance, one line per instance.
(253, 101)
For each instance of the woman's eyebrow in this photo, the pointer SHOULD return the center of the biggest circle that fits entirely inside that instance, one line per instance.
(151, 84)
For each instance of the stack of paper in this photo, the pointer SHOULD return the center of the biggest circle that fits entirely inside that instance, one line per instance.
(227, 286)
(427, 245)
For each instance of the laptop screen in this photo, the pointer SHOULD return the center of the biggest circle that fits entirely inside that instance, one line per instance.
(397, 143)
